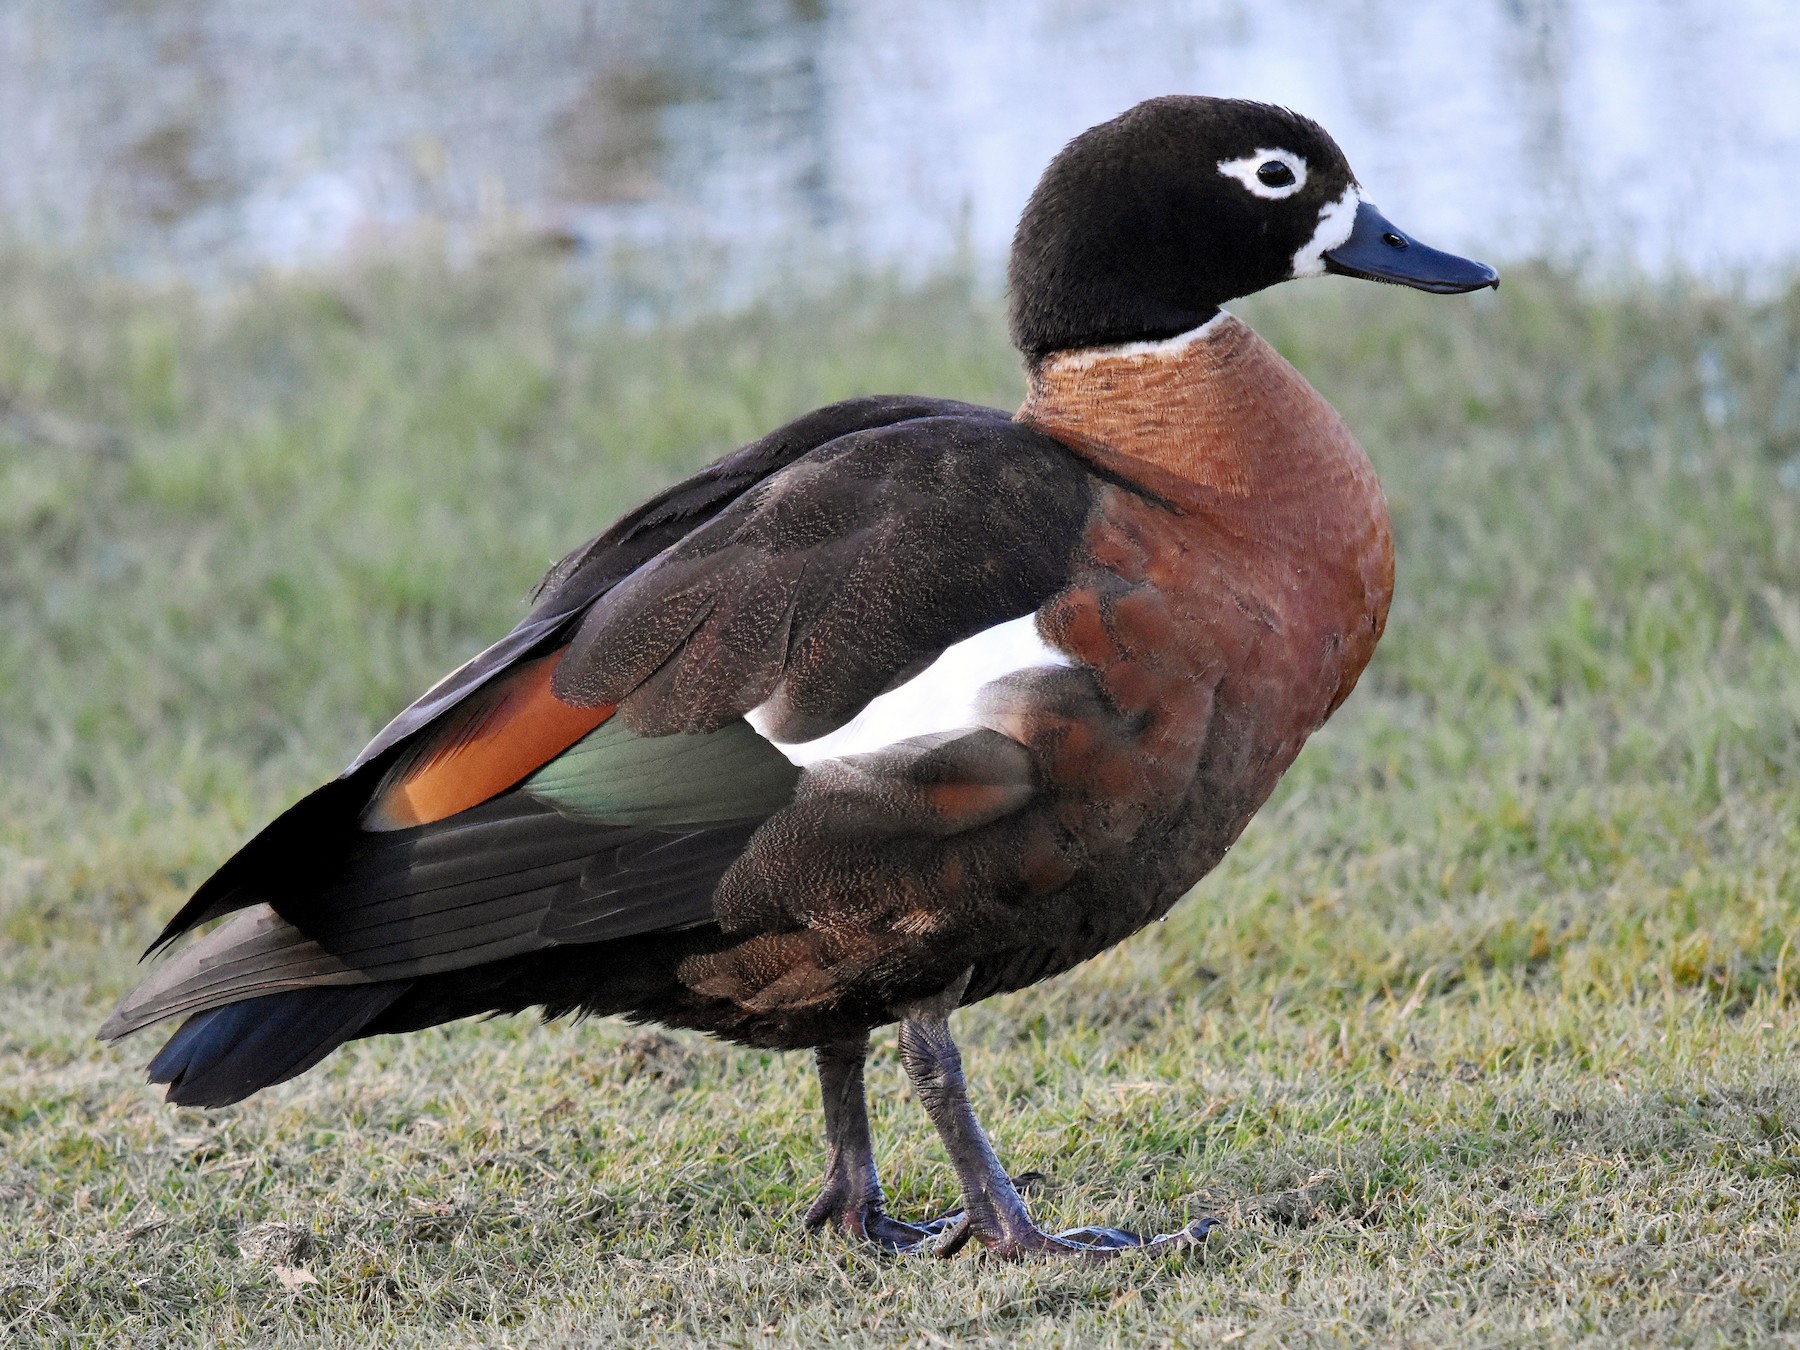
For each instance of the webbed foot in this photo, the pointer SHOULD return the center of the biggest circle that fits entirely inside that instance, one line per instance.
(848, 1207)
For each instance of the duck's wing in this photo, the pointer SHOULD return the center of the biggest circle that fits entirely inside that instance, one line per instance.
(493, 713)
(596, 781)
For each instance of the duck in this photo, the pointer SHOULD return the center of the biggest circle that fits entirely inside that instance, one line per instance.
(905, 705)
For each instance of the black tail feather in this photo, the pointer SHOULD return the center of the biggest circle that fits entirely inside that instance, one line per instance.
(284, 858)
(224, 1054)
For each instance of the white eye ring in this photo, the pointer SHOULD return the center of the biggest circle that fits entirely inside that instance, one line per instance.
(1244, 170)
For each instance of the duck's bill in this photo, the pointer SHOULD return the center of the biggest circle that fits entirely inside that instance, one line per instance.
(1377, 251)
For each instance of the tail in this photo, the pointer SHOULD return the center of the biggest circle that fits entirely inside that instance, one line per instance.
(263, 1004)
(224, 1054)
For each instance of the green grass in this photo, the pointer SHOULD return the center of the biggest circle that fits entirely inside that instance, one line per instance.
(1485, 1033)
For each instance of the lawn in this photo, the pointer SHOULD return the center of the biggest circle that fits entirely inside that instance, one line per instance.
(1485, 1033)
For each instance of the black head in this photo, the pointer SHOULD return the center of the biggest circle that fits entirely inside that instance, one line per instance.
(1143, 226)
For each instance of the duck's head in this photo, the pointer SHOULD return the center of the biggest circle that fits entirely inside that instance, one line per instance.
(1143, 226)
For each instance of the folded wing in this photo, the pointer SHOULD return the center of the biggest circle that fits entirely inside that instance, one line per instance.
(592, 776)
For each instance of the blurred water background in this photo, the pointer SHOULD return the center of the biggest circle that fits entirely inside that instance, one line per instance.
(678, 145)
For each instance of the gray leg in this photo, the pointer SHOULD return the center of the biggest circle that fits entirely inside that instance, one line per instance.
(994, 1215)
(851, 1196)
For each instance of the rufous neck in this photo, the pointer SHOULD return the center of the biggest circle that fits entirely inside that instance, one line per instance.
(1215, 411)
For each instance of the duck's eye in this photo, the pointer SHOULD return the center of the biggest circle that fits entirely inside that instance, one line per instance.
(1271, 173)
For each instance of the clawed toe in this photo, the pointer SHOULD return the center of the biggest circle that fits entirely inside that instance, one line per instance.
(894, 1235)
(1099, 1240)
(1092, 1241)
(868, 1221)
(1099, 1236)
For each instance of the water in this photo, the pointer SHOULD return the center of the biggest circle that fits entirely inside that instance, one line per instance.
(738, 138)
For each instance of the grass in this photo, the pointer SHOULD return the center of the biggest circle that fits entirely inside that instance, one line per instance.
(1484, 1034)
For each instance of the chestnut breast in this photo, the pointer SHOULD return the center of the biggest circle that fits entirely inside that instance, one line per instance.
(1232, 602)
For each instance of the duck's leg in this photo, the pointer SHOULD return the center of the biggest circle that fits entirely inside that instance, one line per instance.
(851, 1196)
(994, 1215)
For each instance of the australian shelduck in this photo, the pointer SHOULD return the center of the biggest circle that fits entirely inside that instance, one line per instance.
(905, 705)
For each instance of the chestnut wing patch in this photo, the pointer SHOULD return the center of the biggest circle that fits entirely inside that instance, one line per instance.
(515, 731)
(488, 743)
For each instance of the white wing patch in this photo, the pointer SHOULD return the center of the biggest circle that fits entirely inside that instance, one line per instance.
(939, 698)
(1336, 220)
